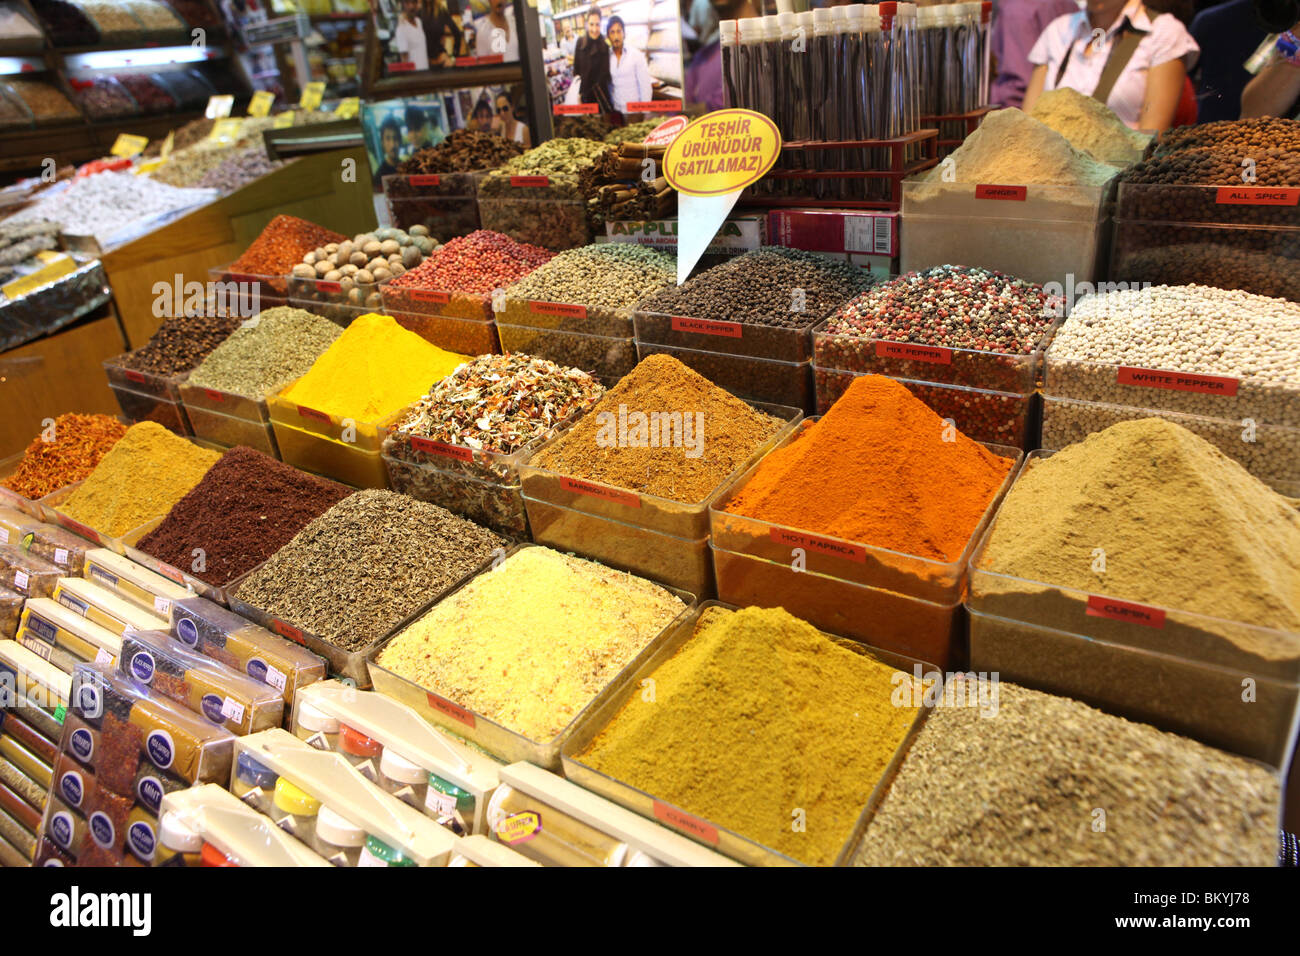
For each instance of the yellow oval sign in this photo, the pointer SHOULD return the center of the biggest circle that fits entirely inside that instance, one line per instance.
(722, 152)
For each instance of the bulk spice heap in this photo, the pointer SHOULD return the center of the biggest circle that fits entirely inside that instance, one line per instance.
(350, 271)
(77, 445)
(464, 150)
(145, 473)
(1090, 126)
(731, 432)
(558, 160)
(530, 643)
(266, 353)
(281, 246)
(729, 720)
(759, 288)
(476, 264)
(370, 561)
(1022, 790)
(180, 343)
(244, 510)
(372, 370)
(611, 275)
(877, 469)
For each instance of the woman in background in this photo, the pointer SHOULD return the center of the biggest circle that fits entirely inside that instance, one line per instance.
(508, 125)
(591, 64)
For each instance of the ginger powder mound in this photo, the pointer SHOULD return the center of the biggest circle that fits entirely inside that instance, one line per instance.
(147, 472)
(375, 368)
(762, 724)
(531, 642)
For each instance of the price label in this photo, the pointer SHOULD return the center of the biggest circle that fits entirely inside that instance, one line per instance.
(282, 120)
(128, 145)
(312, 94)
(168, 145)
(149, 165)
(219, 106)
(260, 104)
(227, 130)
(348, 107)
(425, 179)
(232, 710)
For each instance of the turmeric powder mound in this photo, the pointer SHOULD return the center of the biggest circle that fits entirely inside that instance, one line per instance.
(759, 716)
(147, 472)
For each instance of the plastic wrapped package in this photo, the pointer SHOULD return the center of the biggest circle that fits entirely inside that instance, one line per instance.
(26, 574)
(51, 306)
(102, 97)
(74, 783)
(44, 99)
(190, 821)
(97, 603)
(66, 23)
(58, 546)
(43, 693)
(11, 609)
(145, 588)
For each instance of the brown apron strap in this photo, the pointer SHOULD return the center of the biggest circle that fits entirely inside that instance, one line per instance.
(1126, 44)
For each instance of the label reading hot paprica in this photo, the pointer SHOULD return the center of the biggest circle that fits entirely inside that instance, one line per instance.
(690, 825)
(1177, 381)
(914, 353)
(1125, 611)
(429, 295)
(819, 545)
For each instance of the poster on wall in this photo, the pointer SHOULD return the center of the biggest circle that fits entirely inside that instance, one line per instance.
(615, 58)
(397, 128)
(423, 35)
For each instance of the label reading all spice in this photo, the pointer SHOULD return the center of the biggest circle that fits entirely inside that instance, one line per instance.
(306, 412)
(519, 827)
(1177, 381)
(819, 545)
(160, 749)
(41, 627)
(425, 179)
(428, 445)
(730, 330)
(82, 744)
(530, 182)
(429, 295)
(286, 630)
(692, 826)
(72, 788)
(916, 353)
(444, 706)
(141, 840)
(1256, 196)
(557, 308)
(629, 498)
(1125, 611)
(1013, 193)
(102, 830)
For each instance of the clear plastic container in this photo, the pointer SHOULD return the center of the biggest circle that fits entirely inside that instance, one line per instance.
(1243, 204)
(420, 300)
(53, 505)
(399, 186)
(938, 581)
(12, 499)
(145, 383)
(337, 839)
(550, 223)
(363, 436)
(323, 456)
(228, 431)
(567, 317)
(1269, 452)
(516, 819)
(256, 782)
(753, 379)
(359, 750)
(316, 727)
(294, 809)
(605, 357)
(139, 407)
(1264, 260)
(244, 293)
(594, 721)
(27, 575)
(58, 546)
(320, 295)
(444, 216)
(490, 503)
(732, 338)
(403, 778)
(999, 417)
(230, 404)
(11, 610)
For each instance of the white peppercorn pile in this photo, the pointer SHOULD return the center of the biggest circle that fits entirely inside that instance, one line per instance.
(365, 565)
(1023, 787)
(1191, 329)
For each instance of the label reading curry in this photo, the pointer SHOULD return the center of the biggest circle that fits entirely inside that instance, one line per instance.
(722, 152)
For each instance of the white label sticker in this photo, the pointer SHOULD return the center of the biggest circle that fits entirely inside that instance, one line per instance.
(103, 657)
(61, 556)
(162, 605)
(276, 678)
(4, 535)
(232, 710)
(20, 580)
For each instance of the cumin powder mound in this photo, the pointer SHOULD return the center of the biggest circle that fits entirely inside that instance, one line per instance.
(759, 716)
(148, 471)
(596, 448)
(533, 641)
(1022, 787)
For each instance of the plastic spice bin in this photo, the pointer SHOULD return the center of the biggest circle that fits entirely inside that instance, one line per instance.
(567, 317)
(430, 301)
(228, 418)
(999, 417)
(598, 717)
(139, 407)
(731, 338)
(334, 300)
(444, 216)
(494, 738)
(550, 223)
(753, 379)
(177, 575)
(1039, 233)
(1269, 452)
(144, 383)
(53, 504)
(608, 359)
(365, 436)
(400, 186)
(323, 456)
(244, 293)
(474, 336)
(929, 579)
(13, 499)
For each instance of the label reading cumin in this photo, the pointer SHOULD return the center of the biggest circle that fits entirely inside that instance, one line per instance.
(1125, 611)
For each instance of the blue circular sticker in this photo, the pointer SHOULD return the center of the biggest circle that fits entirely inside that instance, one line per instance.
(211, 705)
(61, 828)
(140, 838)
(187, 632)
(101, 829)
(82, 744)
(72, 787)
(142, 667)
(150, 792)
(256, 669)
(158, 745)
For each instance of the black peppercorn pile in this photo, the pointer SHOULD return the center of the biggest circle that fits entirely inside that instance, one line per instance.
(772, 286)
(181, 343)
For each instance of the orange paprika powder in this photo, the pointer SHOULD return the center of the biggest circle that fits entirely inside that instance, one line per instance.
(880, 468)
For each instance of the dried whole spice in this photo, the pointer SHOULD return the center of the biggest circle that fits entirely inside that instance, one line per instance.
(477, 264)
(244, 509)
(195, 131)
(611, 276)
(103, 97)
(76, 445)
(464, 150)
(238, 169)
(151, 96)
(281, 245)
(181, 343)
(45, 100)
(266, 354)
(366, 564)
(558, 160)
(66, 23)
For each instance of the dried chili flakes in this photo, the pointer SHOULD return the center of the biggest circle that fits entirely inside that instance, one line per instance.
(65, 451)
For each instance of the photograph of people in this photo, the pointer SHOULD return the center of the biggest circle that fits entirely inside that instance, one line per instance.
(507, 124)
(408, 36)
(442, 33)
(591, 64)
(390, 141)
(568, 42)
(419, 133)
(482, 119)
(629, 75)
(495, 32)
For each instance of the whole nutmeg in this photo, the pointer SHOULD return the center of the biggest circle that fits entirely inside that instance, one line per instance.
(310, 259)
(333, 275)
(382, 274)
(358, 258)
(323, 266)
(372, 247)
(332, 247)
(304, 270)
(349, 270)
(365, 277)
(376, 263)
(390, 246)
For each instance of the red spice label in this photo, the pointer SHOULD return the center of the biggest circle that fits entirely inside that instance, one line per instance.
(819, 545)
(915, 353)
(405, 66)
(1125, 611)
(459, 452)
(655, 106)
(576, 109)
(730, 330)
(428, 295)
(306, 412)
(76, 527)
(1015, 193)
(1256, 196)
(443, 706)
(530, 181)
(133, 376)
(691, 826)
(558, 308)
(519, 827)
(467, 61)
(214, 395)
(326, 286)
(490, 59)
(1177, 381)
(287, 630)
(425, 179)
(167, 571)
(629, 498)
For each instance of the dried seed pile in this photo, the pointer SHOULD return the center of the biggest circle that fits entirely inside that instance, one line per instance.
(103, 98)
(360, 568)
(195, 131)
(281, 246)
(79, 444)
(632, 132)
(531, 642)
(266, 353)
(1011, 147)
(559, 160)
(462, 151)
(772, 286)
(181, 343)
(238, 169)
(1024, 787)
(45, 100)
(477, 264)
(151, 96)
(245, 509)
(608, 275)
(731, 432)
(1212, 154)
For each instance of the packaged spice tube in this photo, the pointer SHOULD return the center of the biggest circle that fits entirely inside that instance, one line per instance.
(142, 834)
(142, 587)
(11, 607)
(45, 687)
(106, 819)
(14, 724)
(14, 524)
(59, 627)
(359, 750)
(316, 727)
(516, 819)
(58, 546)
(47, 854)
(59, 658)
(294, 809)
(23, 812)
(28, 575)
(177, 844)
(207, 826)
(256, 783)
(21, 784)
(151, 785)
(73, 783)
(25, 760)
(403, 778)
(224, 636)
(65, 826)
(212, 690)
(98, 604)
(336, 839)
